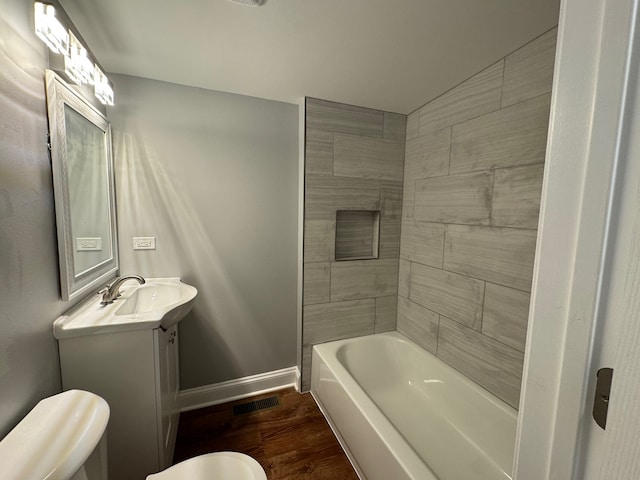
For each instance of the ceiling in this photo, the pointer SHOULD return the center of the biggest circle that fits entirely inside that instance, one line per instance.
(393, 55)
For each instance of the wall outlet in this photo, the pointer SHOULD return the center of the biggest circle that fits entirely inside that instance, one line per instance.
(144, 243)
(84, 244)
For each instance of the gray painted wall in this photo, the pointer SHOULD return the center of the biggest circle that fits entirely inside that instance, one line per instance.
(353, 161)
(472, 187)
(29, 287)
(214, 177)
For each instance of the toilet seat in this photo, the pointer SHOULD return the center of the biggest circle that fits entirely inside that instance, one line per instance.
(214, 466)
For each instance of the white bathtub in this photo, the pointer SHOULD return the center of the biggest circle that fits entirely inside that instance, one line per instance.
(401, 413)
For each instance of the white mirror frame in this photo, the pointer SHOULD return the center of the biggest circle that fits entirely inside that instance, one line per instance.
(60, 94)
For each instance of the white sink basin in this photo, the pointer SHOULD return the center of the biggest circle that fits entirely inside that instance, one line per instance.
(160, 302)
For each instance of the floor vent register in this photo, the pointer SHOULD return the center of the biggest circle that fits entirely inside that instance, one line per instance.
(255, 405)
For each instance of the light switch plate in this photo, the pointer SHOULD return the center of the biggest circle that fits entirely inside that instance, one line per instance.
(144, 243)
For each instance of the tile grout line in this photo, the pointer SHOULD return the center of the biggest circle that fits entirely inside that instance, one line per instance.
(504, 69)
(479, 72)
(478, 116)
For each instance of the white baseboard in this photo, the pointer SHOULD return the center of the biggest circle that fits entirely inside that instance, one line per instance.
(230, 390)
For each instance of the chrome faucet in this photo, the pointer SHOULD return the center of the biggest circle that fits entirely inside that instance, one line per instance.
(112, 291)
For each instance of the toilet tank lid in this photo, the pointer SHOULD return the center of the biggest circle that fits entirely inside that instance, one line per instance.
(55, 438)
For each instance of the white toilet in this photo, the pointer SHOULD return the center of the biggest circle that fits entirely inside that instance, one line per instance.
(219, 465)
(62, 438)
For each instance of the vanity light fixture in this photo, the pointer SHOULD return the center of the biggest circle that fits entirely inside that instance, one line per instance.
(251, 3)
(102, 87)
(49, 29)
(77, 64)
(78, 67)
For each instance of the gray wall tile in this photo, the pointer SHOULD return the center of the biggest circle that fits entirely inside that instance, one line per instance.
(389, 238)
(305, 373)
(408, 199)
(454, 199)
(364, 157)
(495, 366)
(319, 152)
(528, 72)
(391, 200)
(516, 196)
(428, 155)
(404, 278)
(412, 125)
(419, 324)
(391, 213)
(423, 242)
(316, 283)
(395, 126)
(505, 316)
(319, 240)
(338, 117)
(449, 294)
(476, 96)
(363, 279)
(512, 136)
(499, 255)
(386, 310)
(334, 321)
(325, 195)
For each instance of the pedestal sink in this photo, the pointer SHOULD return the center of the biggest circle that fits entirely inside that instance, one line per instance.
(160, 302)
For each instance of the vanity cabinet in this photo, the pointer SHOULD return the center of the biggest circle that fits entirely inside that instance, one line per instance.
(136, 372)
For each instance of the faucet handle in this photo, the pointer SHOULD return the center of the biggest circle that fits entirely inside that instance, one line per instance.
(104, 293)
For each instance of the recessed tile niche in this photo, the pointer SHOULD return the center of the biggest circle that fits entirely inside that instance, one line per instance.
(357, 234)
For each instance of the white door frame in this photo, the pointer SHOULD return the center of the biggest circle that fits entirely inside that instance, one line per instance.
(585, 133)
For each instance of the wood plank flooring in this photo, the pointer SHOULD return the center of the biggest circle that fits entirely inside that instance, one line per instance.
(291, 441)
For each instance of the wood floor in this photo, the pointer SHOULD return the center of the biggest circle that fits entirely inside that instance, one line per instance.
(291, 441)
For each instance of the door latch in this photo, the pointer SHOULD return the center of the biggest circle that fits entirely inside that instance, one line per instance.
(601, 400)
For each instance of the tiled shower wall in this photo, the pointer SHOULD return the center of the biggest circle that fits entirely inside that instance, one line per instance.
(353, 161)
(472, 186)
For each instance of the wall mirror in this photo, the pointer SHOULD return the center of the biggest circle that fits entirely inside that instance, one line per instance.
(83, 182)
